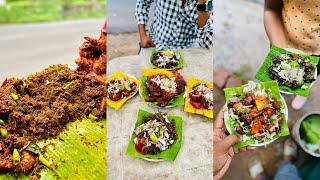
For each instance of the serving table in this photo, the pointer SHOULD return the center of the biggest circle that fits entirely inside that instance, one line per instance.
(195, 157)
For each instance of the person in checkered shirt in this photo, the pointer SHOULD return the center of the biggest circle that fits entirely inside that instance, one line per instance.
(176, 24)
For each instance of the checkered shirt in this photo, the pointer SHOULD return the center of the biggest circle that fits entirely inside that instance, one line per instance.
(175, 26)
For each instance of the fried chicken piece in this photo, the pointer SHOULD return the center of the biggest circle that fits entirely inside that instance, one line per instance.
(161, 102)
(275, 104)
(254, 112)
(93, 42)
(85, 63)
(271, 128)
(261, 119)
(101, 79)
(259, 137)
(181, 83)
(153, 86)
(256, 127)
(133, 86)
(245, 118)
(168, 96)
(196, 97)
(27, 160)
(268, 111)
(6, 163)
(236, 107)
(115, 96)
(102, 41)
(150, 99)
(206, 105)
(100, 66)
(239, 130)
(89, 48)
(249, 99)
(126, 93)
(90, 76)
(195, 104)
(155, 94)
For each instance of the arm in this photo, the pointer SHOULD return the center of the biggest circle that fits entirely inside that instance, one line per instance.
(204, 27)
(202, 16)
(273, 23)
(141, 15)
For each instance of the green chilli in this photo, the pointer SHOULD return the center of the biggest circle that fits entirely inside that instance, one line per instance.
(92, 117)
(16, 157)
(4, 132)
(44, 161)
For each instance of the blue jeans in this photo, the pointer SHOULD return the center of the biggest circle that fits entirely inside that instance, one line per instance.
(287, 171)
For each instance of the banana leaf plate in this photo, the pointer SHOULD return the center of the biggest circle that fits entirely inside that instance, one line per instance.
(231, 126)
(263, 73)
(144, 93)
(169, 154)
(155, 52)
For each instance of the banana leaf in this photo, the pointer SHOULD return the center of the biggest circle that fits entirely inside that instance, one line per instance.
(177, 101)
(238, 91)
(169, 154)
(79, 152)
(188, 107)
(155, 52)
(264, 75)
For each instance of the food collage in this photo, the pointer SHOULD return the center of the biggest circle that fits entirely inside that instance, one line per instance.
(144, 89)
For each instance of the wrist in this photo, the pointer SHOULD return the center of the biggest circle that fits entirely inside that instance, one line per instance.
(204, 5)
(143, 34)
(202, 1)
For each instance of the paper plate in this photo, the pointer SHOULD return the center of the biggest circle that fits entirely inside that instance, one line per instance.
(134, 93)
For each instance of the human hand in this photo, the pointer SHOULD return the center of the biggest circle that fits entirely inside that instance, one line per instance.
(222, 147)
(146, 42)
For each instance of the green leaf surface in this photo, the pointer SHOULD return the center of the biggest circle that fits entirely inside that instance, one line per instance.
(310, 129)
(155, 52)
(273, 85)
(79, 152)
(169, 154)
(177, 101)
(264, 75)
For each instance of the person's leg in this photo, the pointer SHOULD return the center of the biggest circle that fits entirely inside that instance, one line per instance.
(286, 171)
